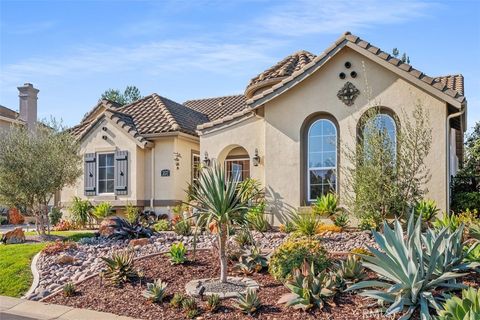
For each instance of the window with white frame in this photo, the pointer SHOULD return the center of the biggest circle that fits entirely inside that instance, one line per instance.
(196, 166)
(322, 158)
(106, 173)
(237, 169)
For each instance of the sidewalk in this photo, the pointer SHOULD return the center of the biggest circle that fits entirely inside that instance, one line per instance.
(19, 309)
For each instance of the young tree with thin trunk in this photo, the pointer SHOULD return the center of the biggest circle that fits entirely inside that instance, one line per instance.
(35, 165)
(222, 203)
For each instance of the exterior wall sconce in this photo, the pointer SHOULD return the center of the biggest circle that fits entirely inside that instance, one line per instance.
(176, 158)
(256, 158)
(206, 160)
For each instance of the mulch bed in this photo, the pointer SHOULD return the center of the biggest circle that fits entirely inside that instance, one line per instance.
(128, 301)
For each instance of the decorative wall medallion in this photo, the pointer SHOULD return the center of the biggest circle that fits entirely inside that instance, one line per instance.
(348, 93)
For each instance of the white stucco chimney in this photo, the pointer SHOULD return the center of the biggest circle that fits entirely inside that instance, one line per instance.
(28, 104)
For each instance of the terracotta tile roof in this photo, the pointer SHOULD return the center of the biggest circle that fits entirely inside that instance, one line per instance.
(279, 71)
(438, 87)
(219, 107)
(454, 82)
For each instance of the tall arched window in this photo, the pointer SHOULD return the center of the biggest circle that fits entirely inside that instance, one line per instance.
(383, 123)
(321, 158)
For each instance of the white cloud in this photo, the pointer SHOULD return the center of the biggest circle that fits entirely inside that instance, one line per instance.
(306, 17)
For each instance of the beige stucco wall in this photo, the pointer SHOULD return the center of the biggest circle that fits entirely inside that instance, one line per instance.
(279, 133)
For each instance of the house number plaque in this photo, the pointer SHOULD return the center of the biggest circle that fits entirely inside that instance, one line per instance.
(165, 173)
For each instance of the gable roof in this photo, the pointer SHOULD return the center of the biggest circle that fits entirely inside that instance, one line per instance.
(436, 87)
(148, 116)
(9, 114)
(219, 107)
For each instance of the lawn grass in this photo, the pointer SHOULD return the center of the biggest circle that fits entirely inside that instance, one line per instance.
(73, 235)
(15, 274)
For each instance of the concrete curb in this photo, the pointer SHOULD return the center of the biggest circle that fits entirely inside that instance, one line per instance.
(36, 276)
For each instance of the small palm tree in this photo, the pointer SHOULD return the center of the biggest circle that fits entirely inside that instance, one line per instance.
(221, 204)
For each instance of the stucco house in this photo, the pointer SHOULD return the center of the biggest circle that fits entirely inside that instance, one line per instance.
(285, 130)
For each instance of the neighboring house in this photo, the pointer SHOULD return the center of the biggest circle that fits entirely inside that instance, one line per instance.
(28, 96)
(286, 130)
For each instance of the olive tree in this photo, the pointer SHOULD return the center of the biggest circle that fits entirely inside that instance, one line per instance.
(35, 165)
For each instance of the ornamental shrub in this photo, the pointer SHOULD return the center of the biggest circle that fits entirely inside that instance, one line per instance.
(15, 217)
(292, 253)
(55, 216)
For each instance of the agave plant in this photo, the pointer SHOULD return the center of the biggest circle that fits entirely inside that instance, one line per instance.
(252, 260)
(351, 269)
(413, 270)
(427, 209)
(472, 253)
(120, 268)
(155, 291)
(308, 289)
(326, 204)
(122, 229)
(249, 302)
(69, 289)
(466, 308)
(449, 221)
(213, 302)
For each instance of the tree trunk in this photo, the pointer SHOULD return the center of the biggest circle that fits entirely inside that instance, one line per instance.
(222, 242)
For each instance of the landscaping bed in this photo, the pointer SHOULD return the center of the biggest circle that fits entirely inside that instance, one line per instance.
(128, 301)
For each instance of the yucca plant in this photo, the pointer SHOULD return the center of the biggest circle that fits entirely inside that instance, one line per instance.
(326, 205)
(248, 302)
(252, 260)
(351, 269)
(414, 269)
(69, 289)
(466, 308)
(155, 291)
(308, 289)
(306, 224)
(177, 253)
(120, 268)
(213, 302)
(222, 204)
(427, 209)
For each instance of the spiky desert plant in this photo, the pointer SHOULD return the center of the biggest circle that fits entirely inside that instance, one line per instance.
(183, 227)
(120, 268)
(177, 300)
(248, 302)
(326, 205)
(448, 220)
(308, 289)
(252, 260)
(466, 308)
(351, 269)
(69, 289)
(177, 253)
(472, 252)
(155, 291)
(102, 210)
(256, 218)
(427, 209)
(414, 269)
(122, 229)
(341, 220)
(306, 224)
(222, 204)
(213, 302)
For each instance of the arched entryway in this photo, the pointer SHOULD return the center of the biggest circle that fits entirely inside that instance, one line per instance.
(237, 164)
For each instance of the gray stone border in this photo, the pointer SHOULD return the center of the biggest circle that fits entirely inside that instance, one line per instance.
(36, 276)
(194, 287)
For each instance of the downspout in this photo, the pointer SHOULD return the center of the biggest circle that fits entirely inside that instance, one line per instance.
(447, 136)
(152, 193)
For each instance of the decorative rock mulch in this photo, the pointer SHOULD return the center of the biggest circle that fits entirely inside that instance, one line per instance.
(75, 265)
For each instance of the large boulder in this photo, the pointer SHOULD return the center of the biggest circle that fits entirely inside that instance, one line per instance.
(107, 227)
(14, 236)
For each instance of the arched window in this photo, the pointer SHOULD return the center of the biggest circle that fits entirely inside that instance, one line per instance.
(383, 123)
(321, 158)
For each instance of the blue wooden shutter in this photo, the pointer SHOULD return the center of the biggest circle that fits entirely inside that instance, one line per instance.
(121, 172)
(90, 181)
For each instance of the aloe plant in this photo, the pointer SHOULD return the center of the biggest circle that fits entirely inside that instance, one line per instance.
(155, 291)
(308, 289)
(466, 308)
(414, 269)
(351, 269)
(249, 302)
(120, 268)
(252, 260)
(326, 204)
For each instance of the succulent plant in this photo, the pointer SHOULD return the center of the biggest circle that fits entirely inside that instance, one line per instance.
(427, 209)
(177, 300)
(472, 253)
(122, 229)
(351, 269)
(213, 302)
(341, 220)
(252, 260)
(177, 253)
(69, 289)
(466, 308)
(450, 221)
(243, 238)
(414, 269)
(256, 218)
(189, 303)
(161, 225)
(155, 291)
(326, 205)
(183, 228)
(192, 313)
(120, 268)
(288, 227)
(248, 302)
(308, 289)
(306, 224)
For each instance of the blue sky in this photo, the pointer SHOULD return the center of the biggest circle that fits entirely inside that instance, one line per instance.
(74, 50)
